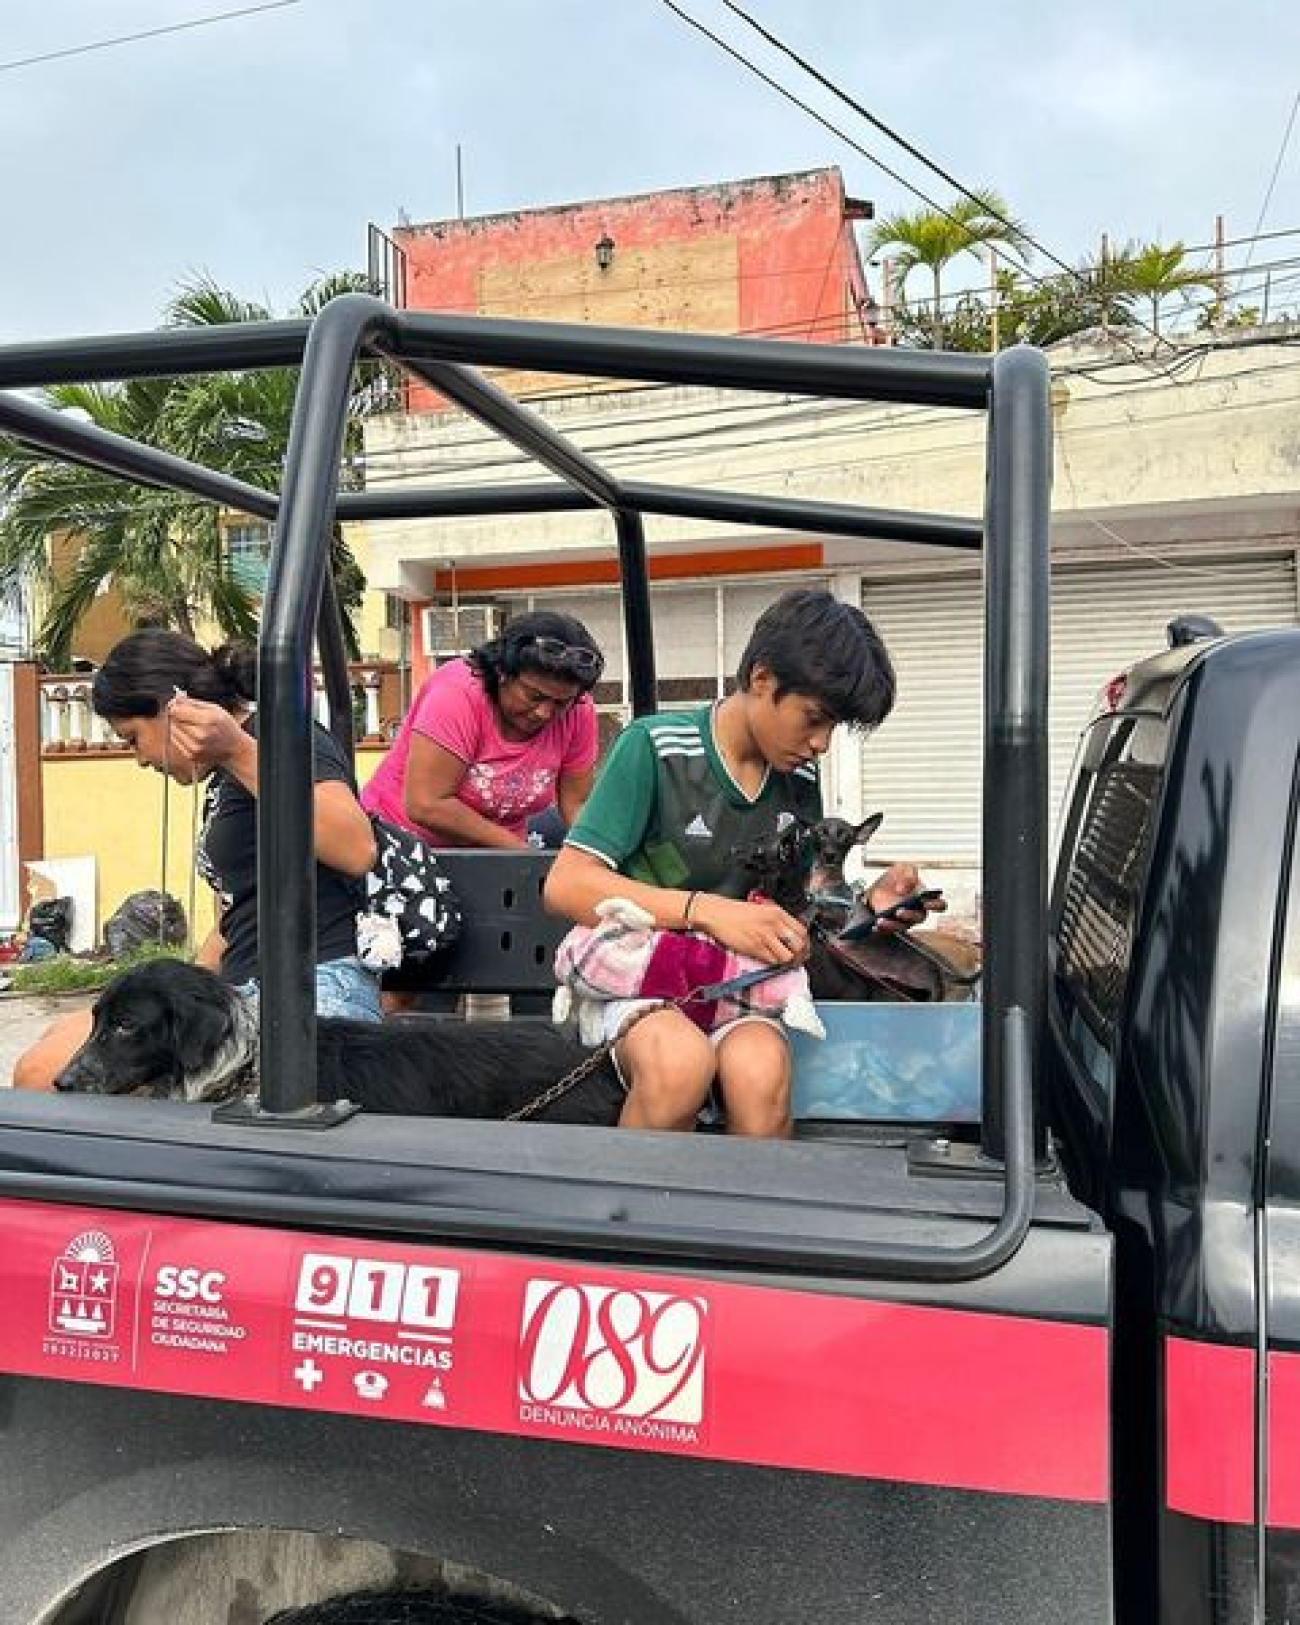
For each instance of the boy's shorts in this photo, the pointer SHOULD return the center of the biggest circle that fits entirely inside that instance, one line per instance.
(618, 1012)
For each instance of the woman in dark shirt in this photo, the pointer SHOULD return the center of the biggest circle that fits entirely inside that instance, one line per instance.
(189, 714)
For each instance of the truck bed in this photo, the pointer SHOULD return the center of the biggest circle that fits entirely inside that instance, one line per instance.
(590, 1190)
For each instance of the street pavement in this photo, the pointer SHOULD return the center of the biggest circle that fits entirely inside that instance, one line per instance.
(24, 1017)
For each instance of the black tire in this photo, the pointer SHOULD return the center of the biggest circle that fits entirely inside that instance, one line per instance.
(408, 1608)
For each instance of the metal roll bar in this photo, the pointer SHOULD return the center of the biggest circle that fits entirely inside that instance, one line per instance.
(443, 351)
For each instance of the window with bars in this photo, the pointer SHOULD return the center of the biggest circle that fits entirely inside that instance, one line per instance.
(248, 553)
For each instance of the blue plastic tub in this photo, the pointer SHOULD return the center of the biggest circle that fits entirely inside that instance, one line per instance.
(891, 1063)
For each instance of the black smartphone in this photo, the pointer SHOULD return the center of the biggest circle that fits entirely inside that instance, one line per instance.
(915, 904)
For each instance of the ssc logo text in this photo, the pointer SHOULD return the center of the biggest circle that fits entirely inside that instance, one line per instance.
(188, 1285)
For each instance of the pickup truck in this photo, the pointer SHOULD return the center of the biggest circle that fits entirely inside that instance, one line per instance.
(1042, 1366)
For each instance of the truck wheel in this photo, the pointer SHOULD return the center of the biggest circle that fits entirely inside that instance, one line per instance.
(411, 1608)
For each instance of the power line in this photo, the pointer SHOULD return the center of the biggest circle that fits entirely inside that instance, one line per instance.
(857, 107)
(864, 112)
(1281, 154)
(785, 416)
(804, 107)
(658, 420)
(755, 478)
(879, 124)
(1236, 242)
(147, 33)
(653, 451)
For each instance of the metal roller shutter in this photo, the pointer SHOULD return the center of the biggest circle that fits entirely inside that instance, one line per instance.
(923, 768)
(743, 603)
(685, 627)
(600, 613)
(700, 631)
(1094, 637)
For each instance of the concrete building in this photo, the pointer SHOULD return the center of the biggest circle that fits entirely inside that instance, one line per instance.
(1175, 490)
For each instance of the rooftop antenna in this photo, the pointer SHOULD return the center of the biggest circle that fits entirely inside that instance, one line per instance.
(460, 186)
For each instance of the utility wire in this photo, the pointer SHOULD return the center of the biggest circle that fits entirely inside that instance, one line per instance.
(1281, 154)
(857, 107)
(757, 478)
(907, 146)
(805, 107)
(830, 423)
(666, 440)
(1236, 242)
(148, 33)
(879, 124)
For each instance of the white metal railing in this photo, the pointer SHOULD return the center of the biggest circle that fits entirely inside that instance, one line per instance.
(69, 726)
(67, 722)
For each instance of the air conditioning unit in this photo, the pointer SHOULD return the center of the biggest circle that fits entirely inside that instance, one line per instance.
(450, 630)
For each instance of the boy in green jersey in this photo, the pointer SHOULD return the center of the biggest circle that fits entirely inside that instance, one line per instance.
(678, 793)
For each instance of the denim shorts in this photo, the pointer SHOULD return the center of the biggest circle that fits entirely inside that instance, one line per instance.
(344, 987)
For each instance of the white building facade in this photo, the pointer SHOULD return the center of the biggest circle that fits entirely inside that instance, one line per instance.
(1176, 490)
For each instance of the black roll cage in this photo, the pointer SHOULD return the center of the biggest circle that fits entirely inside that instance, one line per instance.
(442, 351)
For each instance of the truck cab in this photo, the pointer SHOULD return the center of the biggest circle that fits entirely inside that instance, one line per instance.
(1172, 1010)
(896, 1370)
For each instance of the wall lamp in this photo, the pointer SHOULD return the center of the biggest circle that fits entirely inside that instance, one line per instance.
(605, 252)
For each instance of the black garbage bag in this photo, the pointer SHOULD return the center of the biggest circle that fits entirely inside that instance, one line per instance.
(51, 919)
(145, 917)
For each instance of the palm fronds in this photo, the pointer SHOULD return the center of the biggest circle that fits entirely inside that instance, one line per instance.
(76, 533)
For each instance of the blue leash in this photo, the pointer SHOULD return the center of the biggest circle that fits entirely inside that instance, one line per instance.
(733, 984)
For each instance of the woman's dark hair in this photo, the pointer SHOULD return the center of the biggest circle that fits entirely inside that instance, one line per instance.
(142, 672)
(816, 644)
(531, 643)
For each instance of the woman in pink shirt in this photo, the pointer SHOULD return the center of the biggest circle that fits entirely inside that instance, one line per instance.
(496, 737)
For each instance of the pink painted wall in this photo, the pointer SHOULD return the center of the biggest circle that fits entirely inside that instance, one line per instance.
(780, 243)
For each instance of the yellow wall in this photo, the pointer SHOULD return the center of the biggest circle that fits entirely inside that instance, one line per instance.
(106, 807)
(378, 641)
(103, 623)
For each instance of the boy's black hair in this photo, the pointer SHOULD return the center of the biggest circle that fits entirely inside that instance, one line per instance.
(142, 672)
(814, 643)
(515, 651)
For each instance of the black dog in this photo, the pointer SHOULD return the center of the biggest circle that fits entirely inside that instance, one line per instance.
(831, 840)
(176, 1031)
(775, 865)
(801, 867)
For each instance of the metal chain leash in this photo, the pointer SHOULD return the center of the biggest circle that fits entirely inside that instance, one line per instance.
(577, 1075)
(706, 993)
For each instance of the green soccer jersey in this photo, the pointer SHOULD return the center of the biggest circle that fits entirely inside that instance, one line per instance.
(666, 810)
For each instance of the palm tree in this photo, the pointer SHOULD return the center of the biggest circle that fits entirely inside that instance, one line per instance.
(932, 237)
(162, 552)
(1153, 272)
(1049, 309)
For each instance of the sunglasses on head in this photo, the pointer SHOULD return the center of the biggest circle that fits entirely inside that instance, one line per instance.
(584, 663)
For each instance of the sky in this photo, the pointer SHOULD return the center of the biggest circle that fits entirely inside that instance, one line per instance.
(256, 149)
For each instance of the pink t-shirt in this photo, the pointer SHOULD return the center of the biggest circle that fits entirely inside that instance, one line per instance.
(506, 780)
